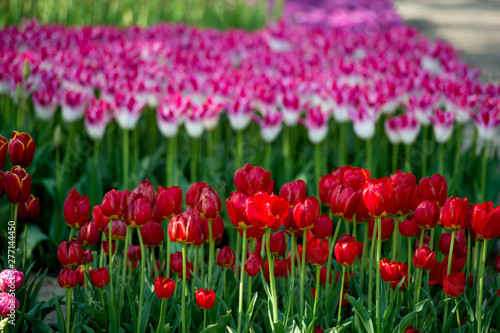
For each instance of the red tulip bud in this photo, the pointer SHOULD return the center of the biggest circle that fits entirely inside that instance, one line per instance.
(454, 284)
(387, 225)
(408, 227)
(88, 257)
(250, 180)
(205, 298)
(377, 195)
(152, 234)
(486, 221)
(344, 201)
(105, 247)
(318, 252)
(114, 204)
(345, 252)
(424, 258)
(236, 210)
(277, 243)
(327, 184)
(456, 214)
(164, 287)
(169, 201)
(21, 149)
(76, 209)
(268, 211)
(138, 211)
(293, 192)
(118, 230)
(148, 192)
(70, 253)
(192, 193)
(17, 184)
(208, 203)
(89, 235)
(306, 213)
(433, 188)
(182, 229)
(426, 214)
(253, 264)
(225, 257)
(324, 228)
(99, 277)
(67, 278)
(29, 210)
(98, 217)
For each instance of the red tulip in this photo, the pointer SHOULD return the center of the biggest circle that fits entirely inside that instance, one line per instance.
(346, 238)
(67, 279)
(324, 227)
(164, 287)
(266, 211)
(2, 184)
(152, 234)
(236, 210)
(454, 284)
(225, 257)
(200, 235)
(138, 211)
(387, 225)
(3, 152)
(410, 329)
(105, 247)
(459, 248)
(433, 188)
(176, 262)
(456, 214)
(253, 264)
(118, 230)
(208, 203)
(189, 271)
(29, 210)
(89, 235)
(99, 277)
(426, 214)
(306, 213)
(293, 192)
(405, 193)
(70, 253)
(148, 192)
(88, 257)
(377, 195)
(217, 229)
(250, 180)
(290, 226)
(318, 252)
(17, 184)
(345, 252)
(424, 258)
(281, 269)
(205, 298)
(360, 249)
(253, 233)
(114, 204)
(169, 201)
(486, 221)
(353, 177)
(344, 201)
(192, 193)
(277, 243)
(390, 271)
(317, 328)
(327, 184)
(98, 217)
(322, 276)
(182, 229)
(76, 209)
(408, 227)
(21, 149)
(80, 272)
(133, 252)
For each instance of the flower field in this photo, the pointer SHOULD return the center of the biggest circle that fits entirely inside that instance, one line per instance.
(332, 171)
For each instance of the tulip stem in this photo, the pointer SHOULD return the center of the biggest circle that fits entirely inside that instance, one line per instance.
(363, 258)
(440, 159)
(69, 292)
(249, 290)
(239, 149)
(25, 247)
(317, 165)
(154, 267)
(271, 277)
(332, 244)
(448, 271)
(211, 250)
(202, 262)
(101, 253)
(125, 158)
(267, 156)
(457, 171)
(370, 273)
(71, 233)
(458, 317)
(395, 152)
(410, 254)
(124, 268)
(184, 287)
(160, 321)
(483, 172)
(194, 160)
(110, 253)
(143, 282)
(407, 158)
(468, 257)
(369, 156)
(425, 136)
(379, 250)
(479, 302)
(293, 248)
(302, 273)
(171, 154)
(316, 295)
(286, 155)
(204, 318)
(341, 294)
(104, 308)
(242, 279)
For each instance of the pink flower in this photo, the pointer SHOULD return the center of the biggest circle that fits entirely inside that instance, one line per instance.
(364, 123)
(45, 102)
(169, 114)
(443, 125)
(487, 122)
(97, 116)
(316, 123)
(270, 125)
(127, 110)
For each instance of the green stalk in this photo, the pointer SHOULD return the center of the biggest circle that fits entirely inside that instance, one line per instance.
(249, 290)
(194, 160)
(204, 318)
(440, 160)
(95, 182)
(369, 156)
(379, 250)
(343, 142)
(267, 157)
(71, 233)
(168, 254)
(286, 154)
(125, 158)
(110, 253)
(239, 149)
(479, 302)
(395, 151)
(202, 262)
(407, 158)
(364, 255)
(104, 307)
(370, 273)
(318, 286)
(68, 309)
(468, 256)
(154, 267)
(448, 270)
(317, 165)
(242, 278)
(271, 277)
(184, 287)
(160, 321)
(143, 281)
(211, 251)
(410, 254)
(484, 169)
(341, 294)
(458, 171)
(394, 237)
(238, 249)
(458, 317)
(171, 156)
(293, 248)
(425, 136)
(330, 251)
(124, 268)
(302, 275)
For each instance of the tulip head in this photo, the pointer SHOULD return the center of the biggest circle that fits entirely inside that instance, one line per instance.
(21, 149)
(324, 227)
(346, 252)
(434, 188)
(29, 210)
(11, 278)
(252, 179)
(408, 227)
(205, 298)
(236, 210)
(265, 211)
(377, 195)
(208, 203)
(387, 225)
(182, 229)
(152, 234)
(164, 287)
(225, 257)
(17, 184)
(148, 192)
(455, 214)
(76, 209)
(118, 230)
(114, 204)
(70, 253)
(253, 264)
(344, 202)
(306, 213)
(98, 217)
(426, 214)
(99, 277)
(486, 221)
(192, 193)
(424, 258)
(454, 284)
(169, 201)
(89, 235)
(277, 243)
(67, 279)
(293, 192)
(138, 211)
(318, 252)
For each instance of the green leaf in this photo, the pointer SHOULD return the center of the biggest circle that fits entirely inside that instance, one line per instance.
(406, 321)
(220, 325)
(363, 314)
(388, 311)
(35, 236)
(38, 323)
(490, 313)
(60, 317)
(248, 316)
(279, 327)
(91, 312)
